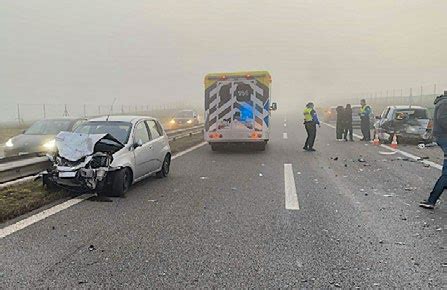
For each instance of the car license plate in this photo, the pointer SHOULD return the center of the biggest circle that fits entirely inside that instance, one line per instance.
(69, 174)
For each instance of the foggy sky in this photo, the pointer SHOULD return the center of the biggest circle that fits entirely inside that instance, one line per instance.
(146, 52)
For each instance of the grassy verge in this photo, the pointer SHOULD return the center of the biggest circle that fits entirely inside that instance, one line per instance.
(20, 199)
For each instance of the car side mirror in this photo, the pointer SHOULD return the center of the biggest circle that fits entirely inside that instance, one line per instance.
(274, 107)
(137, 144)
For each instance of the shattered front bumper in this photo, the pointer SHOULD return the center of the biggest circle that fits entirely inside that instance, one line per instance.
(82, 179)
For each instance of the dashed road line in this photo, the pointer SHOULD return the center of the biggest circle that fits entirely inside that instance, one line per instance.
(291, 197)
(284, 135)
(20, 225)
(404, 153)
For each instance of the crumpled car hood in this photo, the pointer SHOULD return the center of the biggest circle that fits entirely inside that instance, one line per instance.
(74, 146)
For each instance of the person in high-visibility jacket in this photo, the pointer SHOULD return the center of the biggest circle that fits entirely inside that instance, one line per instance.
(310, 123)
(365, 120)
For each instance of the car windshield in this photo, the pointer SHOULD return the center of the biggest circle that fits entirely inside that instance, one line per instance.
(413, 113)
(184, 114)
(48, 127)
(119, 130)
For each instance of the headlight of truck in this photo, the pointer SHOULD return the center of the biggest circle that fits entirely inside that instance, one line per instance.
(9, 143)
(172, 121)
(189, 122)
(50, 145)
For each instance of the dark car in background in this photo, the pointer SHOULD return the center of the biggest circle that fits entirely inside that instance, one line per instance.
(409, 123)
(39, 137)
(185, 118)
(330, 114)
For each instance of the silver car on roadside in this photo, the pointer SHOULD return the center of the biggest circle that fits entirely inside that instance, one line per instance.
(109, 154)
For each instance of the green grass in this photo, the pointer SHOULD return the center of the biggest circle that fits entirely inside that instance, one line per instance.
(20, 199)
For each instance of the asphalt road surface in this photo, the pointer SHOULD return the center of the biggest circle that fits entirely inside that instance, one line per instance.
(279, 218)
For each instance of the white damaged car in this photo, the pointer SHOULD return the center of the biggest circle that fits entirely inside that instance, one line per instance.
(108, 154)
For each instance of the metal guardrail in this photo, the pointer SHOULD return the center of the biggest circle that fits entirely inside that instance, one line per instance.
(17, 167)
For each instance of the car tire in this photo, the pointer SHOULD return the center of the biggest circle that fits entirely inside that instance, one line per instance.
(49, 184)
(165, 169)
(214, 147)
(121, 181)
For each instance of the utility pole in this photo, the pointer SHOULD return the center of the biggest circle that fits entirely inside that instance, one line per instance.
(65, 111)
(44, 112)
(435, 89)
(19, 117)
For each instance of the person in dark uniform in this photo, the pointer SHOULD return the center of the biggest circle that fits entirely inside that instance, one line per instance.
(310, 123)
(339, 128)
(365, 121)
(347, 123)
(440, 134)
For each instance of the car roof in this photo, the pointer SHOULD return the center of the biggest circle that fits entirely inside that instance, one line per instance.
(63, 119)
(403, 107)
(122, 118)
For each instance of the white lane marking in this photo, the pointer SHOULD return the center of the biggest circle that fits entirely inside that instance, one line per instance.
(180, 154)
(41, 215)
(284, 135)
(285, 125)
(291, 197)
(20, 225)
(404, 153)
(414, 157)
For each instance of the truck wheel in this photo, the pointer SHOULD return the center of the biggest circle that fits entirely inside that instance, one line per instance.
(261, 146)
(121, 181)
(164, 172)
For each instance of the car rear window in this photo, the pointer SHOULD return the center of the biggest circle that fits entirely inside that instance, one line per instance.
(414, 113)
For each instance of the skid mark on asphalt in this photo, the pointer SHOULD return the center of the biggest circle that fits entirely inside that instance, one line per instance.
(20, 225)
(404, 153)
(291, 197)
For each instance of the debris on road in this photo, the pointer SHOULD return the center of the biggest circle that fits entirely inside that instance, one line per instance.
(91, 248)
(387, 153)
(261, 175)
(153, 200)
(204, 177)
(299, 173)
(361, 160)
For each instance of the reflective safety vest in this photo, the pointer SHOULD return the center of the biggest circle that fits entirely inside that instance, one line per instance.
(363, 110)
(308, 114)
